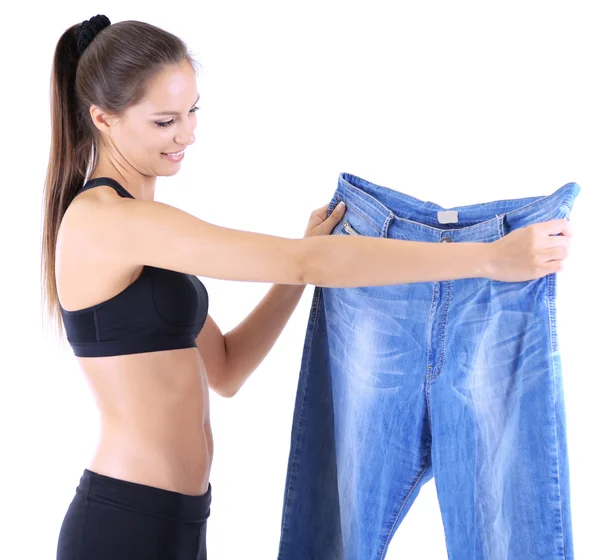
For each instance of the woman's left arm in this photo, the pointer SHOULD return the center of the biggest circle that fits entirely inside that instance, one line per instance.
(247, 345)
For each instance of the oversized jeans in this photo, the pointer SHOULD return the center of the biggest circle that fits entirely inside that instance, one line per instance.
(459, 379)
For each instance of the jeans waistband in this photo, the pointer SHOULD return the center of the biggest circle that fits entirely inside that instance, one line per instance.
(382, 206)
(148, 499)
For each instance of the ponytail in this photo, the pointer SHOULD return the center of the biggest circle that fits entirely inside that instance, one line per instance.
(113, 72)
(70, 149)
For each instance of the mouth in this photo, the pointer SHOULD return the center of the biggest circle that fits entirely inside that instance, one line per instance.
(173, 154)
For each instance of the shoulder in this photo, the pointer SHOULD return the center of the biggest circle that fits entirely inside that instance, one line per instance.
(91, 207)
(88, 217)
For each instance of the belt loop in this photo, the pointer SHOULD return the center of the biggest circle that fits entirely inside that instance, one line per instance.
(386, 224)
(503, 227)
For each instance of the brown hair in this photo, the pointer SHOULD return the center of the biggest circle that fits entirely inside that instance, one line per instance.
(113, 72)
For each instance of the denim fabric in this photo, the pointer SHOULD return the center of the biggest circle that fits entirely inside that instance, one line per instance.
(460, 380)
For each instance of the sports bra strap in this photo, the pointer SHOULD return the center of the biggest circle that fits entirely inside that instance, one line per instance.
(105, 181)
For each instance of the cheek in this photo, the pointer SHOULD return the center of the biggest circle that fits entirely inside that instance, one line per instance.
(151, 141)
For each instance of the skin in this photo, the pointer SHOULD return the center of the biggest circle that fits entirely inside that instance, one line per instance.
(154, 406)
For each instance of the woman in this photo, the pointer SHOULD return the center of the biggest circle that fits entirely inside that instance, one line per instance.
(120, 276)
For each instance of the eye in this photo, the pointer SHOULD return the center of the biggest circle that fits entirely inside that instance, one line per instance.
(169, 123)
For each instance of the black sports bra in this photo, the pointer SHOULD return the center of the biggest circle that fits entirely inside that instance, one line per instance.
(161, 310)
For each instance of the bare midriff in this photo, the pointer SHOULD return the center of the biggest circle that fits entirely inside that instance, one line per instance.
(155, 423)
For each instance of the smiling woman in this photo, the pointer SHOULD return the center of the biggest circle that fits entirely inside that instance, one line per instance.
(173, 87)
(135, 312)
(132, 326)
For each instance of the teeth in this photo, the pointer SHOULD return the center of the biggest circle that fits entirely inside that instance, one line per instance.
(175, 154)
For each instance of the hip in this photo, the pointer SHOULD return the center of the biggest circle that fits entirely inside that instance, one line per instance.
(115, 518)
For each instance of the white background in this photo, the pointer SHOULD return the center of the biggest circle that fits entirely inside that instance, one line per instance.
(453, 102)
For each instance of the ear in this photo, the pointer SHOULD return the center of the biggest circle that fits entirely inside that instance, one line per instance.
(101, 119)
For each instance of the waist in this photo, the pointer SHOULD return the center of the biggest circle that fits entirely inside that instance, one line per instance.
(144, 498)
(376, 209)
(172, 456)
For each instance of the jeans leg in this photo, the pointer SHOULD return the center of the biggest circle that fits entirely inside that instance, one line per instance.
(498, 423)
(360, 437)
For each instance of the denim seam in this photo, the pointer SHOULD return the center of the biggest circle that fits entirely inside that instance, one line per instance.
(386, 226)
(389, 535)
(295, 451)
(545, 198)
(471, 206)
(434, 376)
(379, 208)
(365, 218)
(550, 296)
(430, 348)
(551, 293)
(500, 222)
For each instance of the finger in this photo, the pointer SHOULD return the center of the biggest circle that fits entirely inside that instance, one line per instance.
(554, 266)
(555, 253)
(556, 241)
(338, 211)
(568, 231)
(555, 227)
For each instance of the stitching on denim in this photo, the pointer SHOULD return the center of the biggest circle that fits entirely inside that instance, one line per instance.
(546, 199)
(365, 218)
(552, 361)
(434, 375)
(550, 296)
(429, 351)
(389, 535)
(428, 400)
(377, 207)
(501, 225)
(386, 225)
(296, 444)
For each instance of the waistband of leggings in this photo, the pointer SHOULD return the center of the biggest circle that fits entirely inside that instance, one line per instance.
(143, 498)
(380, 207)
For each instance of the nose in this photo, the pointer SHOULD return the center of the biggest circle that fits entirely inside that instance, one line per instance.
(185, 135)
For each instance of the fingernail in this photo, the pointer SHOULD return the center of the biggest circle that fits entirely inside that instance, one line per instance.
(340, 205)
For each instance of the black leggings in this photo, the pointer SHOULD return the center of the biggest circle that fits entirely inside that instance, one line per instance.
(113, 519)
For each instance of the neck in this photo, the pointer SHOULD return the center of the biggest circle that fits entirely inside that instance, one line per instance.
(140, 186)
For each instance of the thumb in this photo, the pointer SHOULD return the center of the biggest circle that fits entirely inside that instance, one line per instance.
(338, 211)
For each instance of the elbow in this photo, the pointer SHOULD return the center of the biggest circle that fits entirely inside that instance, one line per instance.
(227, 393)
(223, 389)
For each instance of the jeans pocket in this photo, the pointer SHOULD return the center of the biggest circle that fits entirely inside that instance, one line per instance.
(344, 227)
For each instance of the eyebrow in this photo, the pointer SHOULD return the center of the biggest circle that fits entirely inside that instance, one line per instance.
(173, 112)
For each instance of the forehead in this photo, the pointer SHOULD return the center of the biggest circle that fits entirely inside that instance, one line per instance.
(175, 83)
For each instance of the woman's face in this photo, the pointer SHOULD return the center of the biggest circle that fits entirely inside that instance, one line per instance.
(163, 122)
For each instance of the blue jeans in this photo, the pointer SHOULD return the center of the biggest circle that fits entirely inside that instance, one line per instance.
(460, 380)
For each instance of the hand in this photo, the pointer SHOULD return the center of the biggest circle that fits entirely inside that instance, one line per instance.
(321, 224)
(530, 252)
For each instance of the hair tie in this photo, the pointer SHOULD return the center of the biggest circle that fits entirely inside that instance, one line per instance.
(89, 29)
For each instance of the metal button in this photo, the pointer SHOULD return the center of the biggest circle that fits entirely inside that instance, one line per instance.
(445, 240)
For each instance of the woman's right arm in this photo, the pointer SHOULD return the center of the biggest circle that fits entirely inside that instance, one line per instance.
(350, 261)
(157, 234)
